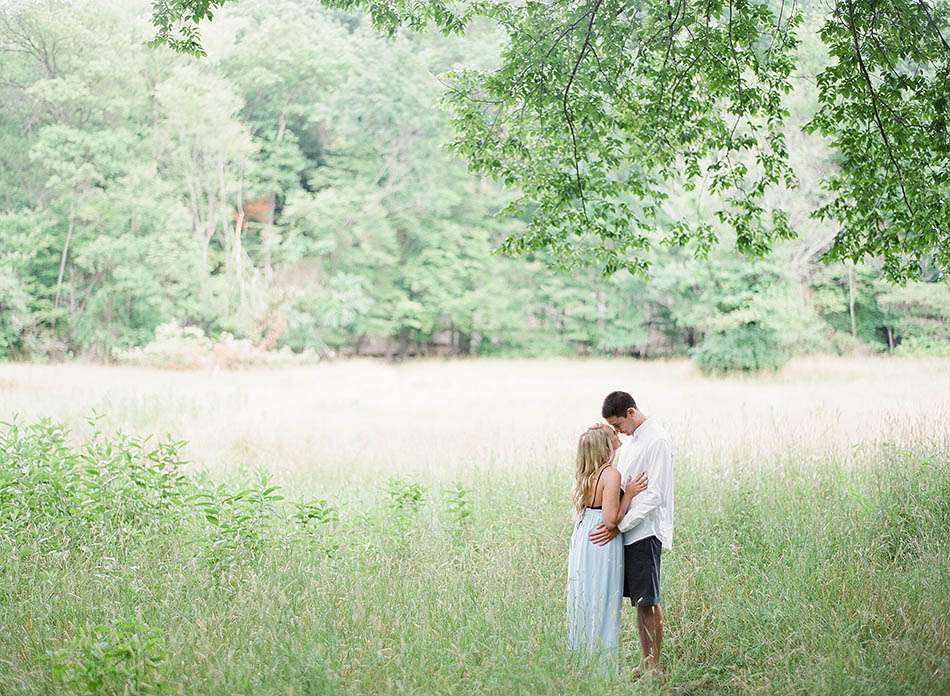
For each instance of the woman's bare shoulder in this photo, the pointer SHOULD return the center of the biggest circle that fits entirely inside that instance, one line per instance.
(611, 475)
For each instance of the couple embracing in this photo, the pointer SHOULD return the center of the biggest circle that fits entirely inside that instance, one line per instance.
(623, 502)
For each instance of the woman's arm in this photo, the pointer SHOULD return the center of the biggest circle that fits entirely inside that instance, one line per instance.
(610, 500)
(614, 507)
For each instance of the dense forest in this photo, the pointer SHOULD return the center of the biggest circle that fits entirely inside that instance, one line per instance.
(292, 190)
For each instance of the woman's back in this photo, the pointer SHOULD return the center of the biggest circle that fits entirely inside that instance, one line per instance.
(607, 475)
(595, 581)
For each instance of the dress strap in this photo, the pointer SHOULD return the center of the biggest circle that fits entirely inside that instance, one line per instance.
(601, 473)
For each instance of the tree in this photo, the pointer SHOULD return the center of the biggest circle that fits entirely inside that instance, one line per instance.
(751, 316)
(288, 67)
(96, 231)
(598, 104)
(14, 312)
(293, 188)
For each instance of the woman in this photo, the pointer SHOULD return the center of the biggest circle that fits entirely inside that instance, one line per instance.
(595, 573)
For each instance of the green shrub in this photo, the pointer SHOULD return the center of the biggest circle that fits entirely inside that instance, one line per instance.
(458, 507)
(106, 660)
(240, 522)
(315, 519)
(15, 315)
(186, 348)
(405, 496)
(924, 345)
(315, 513)
(846, 344)
(40, 476)
(120, 486)
(120, 482)
(747, 348)
(174, 346)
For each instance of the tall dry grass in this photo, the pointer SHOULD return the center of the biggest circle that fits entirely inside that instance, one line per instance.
(344, 424)
(811, 553)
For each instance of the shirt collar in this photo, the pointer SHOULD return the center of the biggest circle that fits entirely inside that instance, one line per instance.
(645, 426)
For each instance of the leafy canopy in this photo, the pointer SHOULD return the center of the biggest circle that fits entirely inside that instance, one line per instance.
(598, 108)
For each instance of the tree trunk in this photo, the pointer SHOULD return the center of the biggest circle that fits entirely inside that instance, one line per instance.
(854, 323)
(691, 337)
(465, 343)
(404, 339)
(239, 251)
(62, 258)
(267, 231)
(203, 227)
(234, 251)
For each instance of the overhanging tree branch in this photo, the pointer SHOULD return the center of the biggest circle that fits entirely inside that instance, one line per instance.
(877, 115)
(567, 109)
(689, 91)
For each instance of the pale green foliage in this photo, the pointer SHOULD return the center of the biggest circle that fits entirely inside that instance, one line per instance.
(124, 658)
(747, 347)
(179, 347)
(318, 520)
(917, 314)
(598, 105)
(405, 496)
(177, 23)
(14, 313)
(240, 524)
(459, 507)
(753, 316)
(292, 190)
(922, 314)
(884, 104)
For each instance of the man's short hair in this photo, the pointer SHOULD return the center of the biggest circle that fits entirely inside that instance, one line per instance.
(616, 405)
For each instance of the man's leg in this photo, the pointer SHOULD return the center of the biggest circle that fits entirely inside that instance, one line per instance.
(642, 585)
(650, 623)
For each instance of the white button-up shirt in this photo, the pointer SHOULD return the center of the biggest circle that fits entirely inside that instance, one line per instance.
(651, 511)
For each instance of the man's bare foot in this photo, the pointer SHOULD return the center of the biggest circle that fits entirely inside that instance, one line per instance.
(645, 669)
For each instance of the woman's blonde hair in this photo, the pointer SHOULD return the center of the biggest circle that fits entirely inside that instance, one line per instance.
(593, 452)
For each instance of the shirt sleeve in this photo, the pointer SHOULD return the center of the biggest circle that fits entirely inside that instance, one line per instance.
(659, 471)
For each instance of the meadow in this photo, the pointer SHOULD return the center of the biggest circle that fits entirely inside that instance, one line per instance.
(362, 527)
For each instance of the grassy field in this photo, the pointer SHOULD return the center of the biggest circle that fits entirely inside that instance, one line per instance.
(420, 543)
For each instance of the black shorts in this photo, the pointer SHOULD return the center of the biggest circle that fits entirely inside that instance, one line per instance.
(641, 572)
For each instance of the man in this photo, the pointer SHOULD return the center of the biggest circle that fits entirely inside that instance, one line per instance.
(647, 527)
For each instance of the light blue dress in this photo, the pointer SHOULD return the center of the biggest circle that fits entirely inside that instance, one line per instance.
(594, 593)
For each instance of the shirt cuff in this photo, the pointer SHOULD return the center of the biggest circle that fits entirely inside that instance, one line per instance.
(626, 526)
